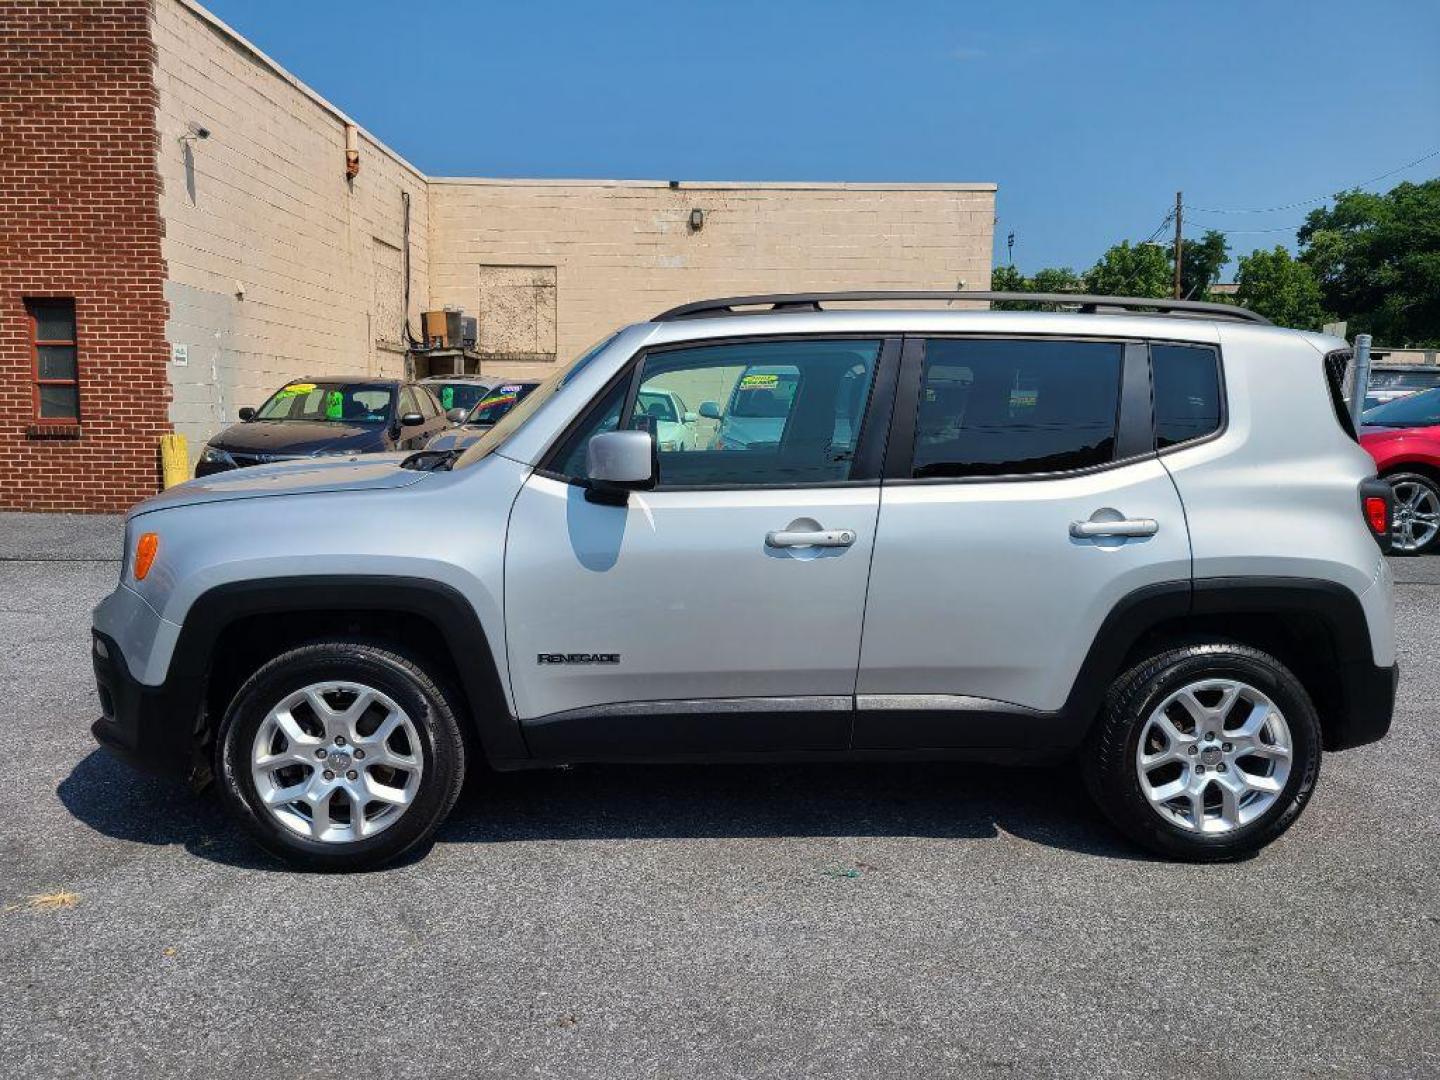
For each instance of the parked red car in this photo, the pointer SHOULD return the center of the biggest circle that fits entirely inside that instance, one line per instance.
(1403, 436)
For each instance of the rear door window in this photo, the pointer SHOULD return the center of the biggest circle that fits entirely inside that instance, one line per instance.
(1016, 408)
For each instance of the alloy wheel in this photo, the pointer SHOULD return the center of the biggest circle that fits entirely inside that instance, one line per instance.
(1214, 756)
(336, 762)
(1417, 515)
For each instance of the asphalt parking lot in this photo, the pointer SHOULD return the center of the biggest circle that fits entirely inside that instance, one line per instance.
(696, 922)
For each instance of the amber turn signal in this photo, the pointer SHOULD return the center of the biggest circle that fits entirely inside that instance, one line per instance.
(145, 549)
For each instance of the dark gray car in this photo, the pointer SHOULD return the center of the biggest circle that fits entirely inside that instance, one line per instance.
(324, 417)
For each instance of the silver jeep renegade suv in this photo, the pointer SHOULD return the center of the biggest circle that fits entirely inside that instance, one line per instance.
(1135, 534)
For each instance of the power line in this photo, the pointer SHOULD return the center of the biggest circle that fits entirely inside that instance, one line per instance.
(1317, 198)
(1253, 232)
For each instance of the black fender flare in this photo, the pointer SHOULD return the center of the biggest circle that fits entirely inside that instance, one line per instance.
(470, 651)
(1366, 691)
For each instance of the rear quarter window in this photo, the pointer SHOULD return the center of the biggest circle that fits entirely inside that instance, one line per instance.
(1187, 393)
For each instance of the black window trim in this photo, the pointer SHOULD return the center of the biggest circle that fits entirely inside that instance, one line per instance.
(1134, 430)
(870, 447)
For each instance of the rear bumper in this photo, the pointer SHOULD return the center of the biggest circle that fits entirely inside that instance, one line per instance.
(1367, 708)
(150, 728)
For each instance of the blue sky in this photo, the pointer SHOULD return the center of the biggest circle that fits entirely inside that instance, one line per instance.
(1090, 116)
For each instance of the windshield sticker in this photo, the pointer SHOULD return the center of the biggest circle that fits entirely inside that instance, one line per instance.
(759, 382)
(510, 389)
(334, 405)
(296, 389)
(447, 397)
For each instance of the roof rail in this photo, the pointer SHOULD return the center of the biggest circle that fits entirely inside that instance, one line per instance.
(1085, 304)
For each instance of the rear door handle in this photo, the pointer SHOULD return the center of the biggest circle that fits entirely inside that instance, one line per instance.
(785, 538)
(1086, 530)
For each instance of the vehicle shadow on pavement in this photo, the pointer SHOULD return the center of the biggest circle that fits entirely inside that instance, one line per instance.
(924, 799)
(944, 800)
(116, 801)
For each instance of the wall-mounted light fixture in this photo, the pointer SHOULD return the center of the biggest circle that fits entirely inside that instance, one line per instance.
(194, 131)
(697, 219)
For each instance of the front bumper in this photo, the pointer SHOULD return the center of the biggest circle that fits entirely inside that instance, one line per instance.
(151, 728)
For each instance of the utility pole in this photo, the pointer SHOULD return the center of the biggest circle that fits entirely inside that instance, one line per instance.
(1179, 240)
(1010, 246)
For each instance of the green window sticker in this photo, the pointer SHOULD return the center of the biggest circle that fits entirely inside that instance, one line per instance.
(447, 397)
(334, 405)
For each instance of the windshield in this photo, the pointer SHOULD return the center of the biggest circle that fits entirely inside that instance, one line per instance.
(516, 416)
(346, 403)
(1416, 410)
(498, 402)
(458, 395)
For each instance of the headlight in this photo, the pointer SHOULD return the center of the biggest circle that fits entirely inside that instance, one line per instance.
(216, 456)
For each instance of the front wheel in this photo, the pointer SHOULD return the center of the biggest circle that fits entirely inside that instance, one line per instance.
(1416, 529)
(340, 756)
(1205, 752)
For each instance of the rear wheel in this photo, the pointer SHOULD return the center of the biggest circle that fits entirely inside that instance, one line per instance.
(340, 756)
(1416, 529)
(1206, 752)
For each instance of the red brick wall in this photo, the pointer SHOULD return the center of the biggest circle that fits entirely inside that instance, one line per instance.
(79, 216)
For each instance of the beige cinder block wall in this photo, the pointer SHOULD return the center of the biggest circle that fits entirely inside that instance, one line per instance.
(551, 266)
(278, 266)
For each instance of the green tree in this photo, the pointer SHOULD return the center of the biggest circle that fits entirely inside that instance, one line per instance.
(1132, 270)
(1200, 264)
(1007, 279)
(1057, 279)
(1377, 258)
(1280, 287)
(1049, 280)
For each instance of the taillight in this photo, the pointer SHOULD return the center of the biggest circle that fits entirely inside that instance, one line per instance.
(1378, 515)
(1377, 506)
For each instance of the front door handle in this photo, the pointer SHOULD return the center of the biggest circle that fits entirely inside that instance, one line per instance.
(787, 538)
(1087, 530)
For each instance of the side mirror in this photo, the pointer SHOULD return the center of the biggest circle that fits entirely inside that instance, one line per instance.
(619, 462)
(689, 418)
(247, 414)
(710, 410)
(412, 419)
(456, 416)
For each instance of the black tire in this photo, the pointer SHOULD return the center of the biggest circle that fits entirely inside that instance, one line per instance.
(408, 684)
(1112, 776)
(1428, 483)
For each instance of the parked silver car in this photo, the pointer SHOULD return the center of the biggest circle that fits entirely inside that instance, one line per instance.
(1144, 545)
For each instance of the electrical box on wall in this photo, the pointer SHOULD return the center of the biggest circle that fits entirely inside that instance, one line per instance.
(441, 329)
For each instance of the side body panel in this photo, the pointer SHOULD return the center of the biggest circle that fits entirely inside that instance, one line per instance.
(449, 529)
(1277, 493)
(979, 589)
(681, 586)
